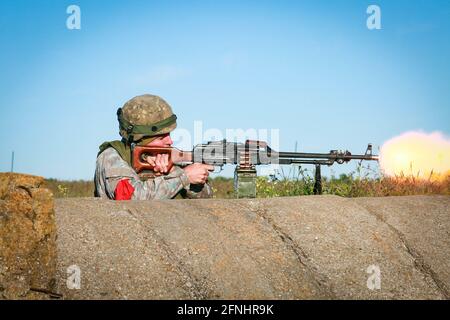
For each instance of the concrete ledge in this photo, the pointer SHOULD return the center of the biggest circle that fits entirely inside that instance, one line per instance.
(317, 247)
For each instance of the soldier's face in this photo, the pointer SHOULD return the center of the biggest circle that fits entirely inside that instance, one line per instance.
(163, 140)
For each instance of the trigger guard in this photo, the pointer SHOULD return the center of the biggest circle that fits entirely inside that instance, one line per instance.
(220, 169)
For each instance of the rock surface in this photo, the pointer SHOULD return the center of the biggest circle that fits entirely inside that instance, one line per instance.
(27, 238)
(311, 247)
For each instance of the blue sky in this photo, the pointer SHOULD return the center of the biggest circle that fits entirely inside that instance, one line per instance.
(311, 69)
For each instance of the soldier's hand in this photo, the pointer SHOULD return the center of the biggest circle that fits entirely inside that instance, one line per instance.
(198, 173)
(160, 163)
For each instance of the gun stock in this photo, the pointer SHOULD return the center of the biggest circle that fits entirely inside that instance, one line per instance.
(176, 156)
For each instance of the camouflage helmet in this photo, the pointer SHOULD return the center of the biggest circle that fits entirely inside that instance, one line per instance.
(145, 116)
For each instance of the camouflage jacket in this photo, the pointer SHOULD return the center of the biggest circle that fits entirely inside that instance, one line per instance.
(111, 168)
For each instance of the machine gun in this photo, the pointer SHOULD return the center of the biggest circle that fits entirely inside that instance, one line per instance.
(246, 156)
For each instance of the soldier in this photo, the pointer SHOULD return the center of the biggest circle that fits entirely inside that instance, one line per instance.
(146, 120)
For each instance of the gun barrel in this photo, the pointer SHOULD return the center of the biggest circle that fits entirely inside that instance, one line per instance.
(306, 155)
(322, 158)
(303, 155)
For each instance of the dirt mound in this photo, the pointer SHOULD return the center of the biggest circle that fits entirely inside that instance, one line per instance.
(27, 238)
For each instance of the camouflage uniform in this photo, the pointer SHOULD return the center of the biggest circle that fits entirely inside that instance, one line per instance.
(111, 168)
(142, 117)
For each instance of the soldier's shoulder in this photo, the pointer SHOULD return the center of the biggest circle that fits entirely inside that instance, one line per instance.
(108, 152)
(108, 157)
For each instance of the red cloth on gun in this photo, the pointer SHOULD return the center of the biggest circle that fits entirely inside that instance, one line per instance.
(124, 190)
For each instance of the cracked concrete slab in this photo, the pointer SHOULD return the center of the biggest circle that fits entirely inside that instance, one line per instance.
(423, 224)
(318, 247)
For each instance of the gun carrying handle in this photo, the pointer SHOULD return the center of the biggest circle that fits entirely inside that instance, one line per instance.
(261, 144)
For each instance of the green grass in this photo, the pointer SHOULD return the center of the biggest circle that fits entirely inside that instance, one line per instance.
(70, 189)
(363, 182)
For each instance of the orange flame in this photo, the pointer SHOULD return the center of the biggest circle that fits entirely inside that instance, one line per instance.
(423, 155)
